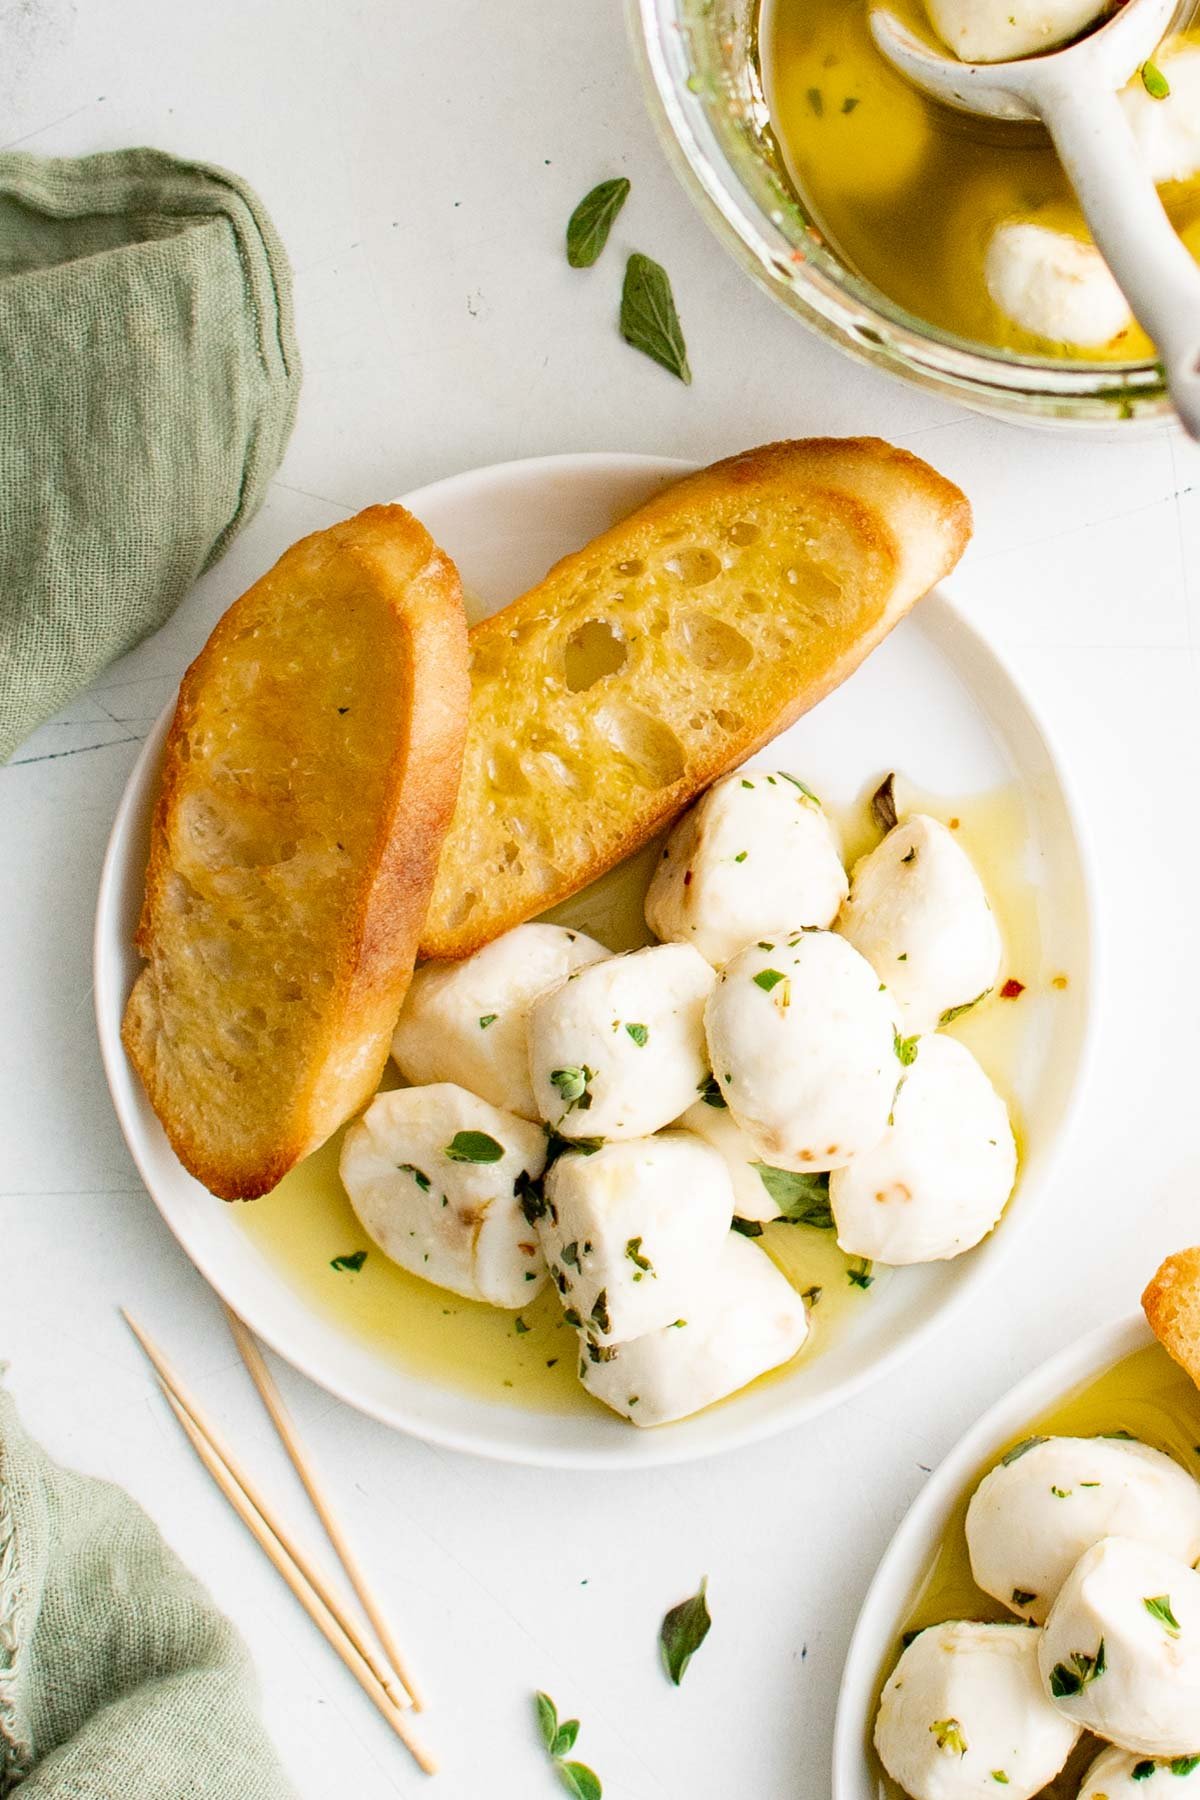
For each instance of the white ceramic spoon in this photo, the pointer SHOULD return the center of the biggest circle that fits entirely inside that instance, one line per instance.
(1074, 94)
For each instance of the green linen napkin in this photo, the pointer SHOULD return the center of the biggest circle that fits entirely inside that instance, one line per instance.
(148, 385)
(119, 1679)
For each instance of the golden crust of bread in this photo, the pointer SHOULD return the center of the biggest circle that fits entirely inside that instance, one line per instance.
(1171, 1303)
(666, 651)
(308, 779)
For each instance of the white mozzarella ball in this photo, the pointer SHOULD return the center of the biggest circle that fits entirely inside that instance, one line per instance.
(803, 1044)
(1054, 285)
(755, 853)
(1123, 1774)
(435, 1176)
(742, 1320)
(939, 1178)
(617, 1050)
(468, 1022)
(632, 1230)
(991, 31)
(1168, 130)
(718, 1127)
(918, 913)
(963, 1716)
(1120, 1651)
(1050, 1499)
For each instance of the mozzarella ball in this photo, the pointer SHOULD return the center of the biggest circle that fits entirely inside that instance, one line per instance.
(1123, 1774)
(617, 1050)
(755, 853)
(963, 1716)
(1034, 1515)
(1167, 131)
(434, 1175)
(740, 1321)
(803, 1044)
(468, 1021)
(1120, 1651)
(1002, 30)
(938, 1179)
(718, 1127)
(918, 913)
(633, 1230)
(1054, 285)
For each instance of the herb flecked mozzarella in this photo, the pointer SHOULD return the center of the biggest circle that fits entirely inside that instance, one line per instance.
(803, 1043)
(633, 1230)
(918, 913)
(736, 1324)
(1053, 284)
(617, 1050)
(1050, 1499)
(1123, 1775)
(939, 1178)
(1120, 1650)
(754, 852)
(468, 1021)
(1000, 30)
(963, 1715)
(752, 1198)
(435, 1176)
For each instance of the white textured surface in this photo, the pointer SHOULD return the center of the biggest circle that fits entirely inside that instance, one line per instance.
(420, 161)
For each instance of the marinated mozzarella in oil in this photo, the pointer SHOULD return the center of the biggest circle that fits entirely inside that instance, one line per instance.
(754, 854)
(733, 1327)
(1120, 1650)
(918, 913)
(1167, 129)
(964, 1715)
(633, 1230)
(468, 1021)
(617, 1050)
(803, 1041)
(712, 1120)
(939, 1178)
(1123, 1774)
(1003, 30)
(434, 1175)
(1047, 1501)
(1054, 285)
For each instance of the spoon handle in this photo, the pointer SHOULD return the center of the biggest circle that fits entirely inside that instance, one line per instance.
(1152, 266)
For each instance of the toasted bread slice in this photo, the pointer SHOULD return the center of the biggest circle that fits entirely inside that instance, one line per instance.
(1172, 1305)
(309, 776)
(667, 650)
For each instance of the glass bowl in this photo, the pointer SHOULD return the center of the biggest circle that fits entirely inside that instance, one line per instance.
(700, 62)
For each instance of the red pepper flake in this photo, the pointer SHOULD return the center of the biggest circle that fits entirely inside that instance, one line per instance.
(687, 878)
(1012, 989)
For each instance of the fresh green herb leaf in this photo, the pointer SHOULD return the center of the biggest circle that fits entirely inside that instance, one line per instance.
(956, 1012)
(640, 1035)
(547, 1716)
(710, 1092)
(796, 782)
(1154, 81)
(590, 223)
(682, 1632)
(579, 1780)
(860, 1277)
(564, 1738)
(816, 101)
(353, 1262)
(801, 1199)
(487, 1019)
(1061, 1493)
(741, 856)
(883, 804)
(1023, 1597)
(848, 106)
(572, 1084)
(473, 1147)
(1142, 1771)
(748, 1227)
(532, 1200)
(1000, 1776)
(1067, 1679)
(649, 320)
(911, 857)
(520, 1327)
(1159, 1607)
(766, 979)
(906, 1048)
(1184, 1765)
(948, 1736)
(419, 1176)
(599, 1314)
(1019, 1450)
(633, 1251)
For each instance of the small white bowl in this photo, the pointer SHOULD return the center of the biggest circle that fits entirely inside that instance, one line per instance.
(934, 699)
(886, 1609)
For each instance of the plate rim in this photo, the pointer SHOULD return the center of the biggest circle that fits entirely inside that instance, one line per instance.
(1073, 1363)
(643, 1449)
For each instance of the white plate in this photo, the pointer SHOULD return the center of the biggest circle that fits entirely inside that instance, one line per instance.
(934, 700)
(886, 1608)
